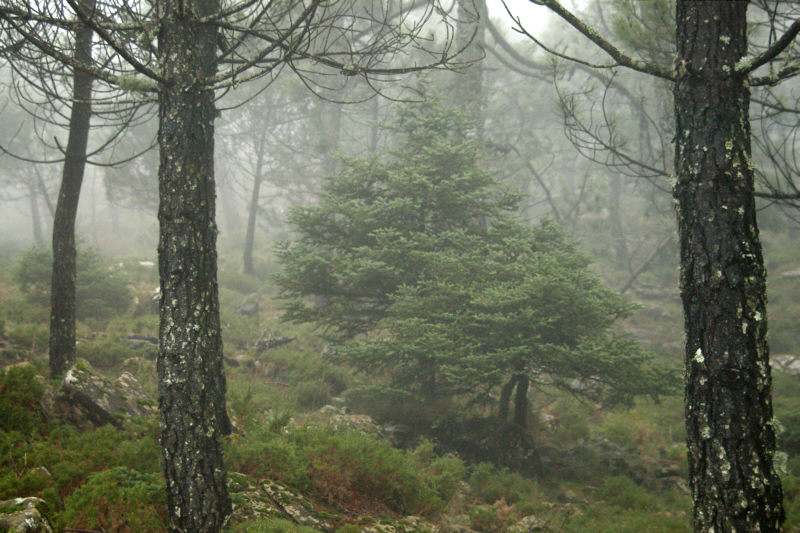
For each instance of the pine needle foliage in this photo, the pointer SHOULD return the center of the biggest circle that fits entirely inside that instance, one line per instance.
(417, 268)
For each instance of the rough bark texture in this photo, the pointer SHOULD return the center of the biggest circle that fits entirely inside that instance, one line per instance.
(62, 288)
(191, 378)
(731, 437)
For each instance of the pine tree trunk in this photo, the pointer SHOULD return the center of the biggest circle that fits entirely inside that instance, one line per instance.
(731, 438)
(505, 398)
(521, 404)
(62, 287)
(190, 371)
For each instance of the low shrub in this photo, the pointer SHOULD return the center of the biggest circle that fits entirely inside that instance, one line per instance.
(20, 400)
(118, 500)
(105, 352)
(347, 468)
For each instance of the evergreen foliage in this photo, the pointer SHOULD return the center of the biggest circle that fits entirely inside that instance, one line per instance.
(421, 271)
(101, 288)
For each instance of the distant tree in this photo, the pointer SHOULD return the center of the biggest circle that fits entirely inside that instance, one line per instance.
(422, 272)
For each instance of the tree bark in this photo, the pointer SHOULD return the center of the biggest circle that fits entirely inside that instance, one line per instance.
(521, 404)
(190, 371)
(505, 398)
(62, 287)
(731, 438)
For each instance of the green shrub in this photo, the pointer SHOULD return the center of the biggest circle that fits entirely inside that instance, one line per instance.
(119, 500)
(237, 281)
(621, 491)
(20, 400)
(273, 525)
(34, 336)
(105, 352)
(489, 484)
(486, 519)
(101, 288)
(311, 395)
(347, 468)
(70, 455)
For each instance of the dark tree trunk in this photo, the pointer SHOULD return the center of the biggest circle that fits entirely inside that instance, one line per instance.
(191, 378)
(249, 238)
(505, 398)
(731, 438)
(62, 288)
(521, 403)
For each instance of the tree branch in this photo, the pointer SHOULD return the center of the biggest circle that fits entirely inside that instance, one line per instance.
(615, 53)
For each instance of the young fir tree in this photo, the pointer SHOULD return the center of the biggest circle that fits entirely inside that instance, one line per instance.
(421, 271)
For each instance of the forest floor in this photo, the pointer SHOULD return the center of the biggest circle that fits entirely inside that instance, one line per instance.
(306, 455)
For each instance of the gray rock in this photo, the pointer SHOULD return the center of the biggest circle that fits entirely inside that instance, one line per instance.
(88, 399)
(22, 515)
(249, 306)
(791, 273)
(786, 363)
(294, 506)
(265, 342)
(528, 524)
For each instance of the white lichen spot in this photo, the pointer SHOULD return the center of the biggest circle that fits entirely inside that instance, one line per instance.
(729, 145)
(744, 63)
(744, 327)
(705, 433)
(725, 39)
(757, 316)
(740, 210)
(698, 356)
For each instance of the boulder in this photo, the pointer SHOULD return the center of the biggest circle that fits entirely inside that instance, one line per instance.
(249, 306)
(22, 515)
(786, 363)
(294, 506)
(528, 524)
(86, 398)
(265, 342)
(340, 419)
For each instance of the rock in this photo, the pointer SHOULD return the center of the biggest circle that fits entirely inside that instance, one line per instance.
(265, 343)
(786, 363)
(339, 419)
(408, 524)
(21, 515)
(137, 339)
(88, 399)
(791, 274)
(527, 524)
(144, 343)
(249, 501)
(249, 306)
(294, 506)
